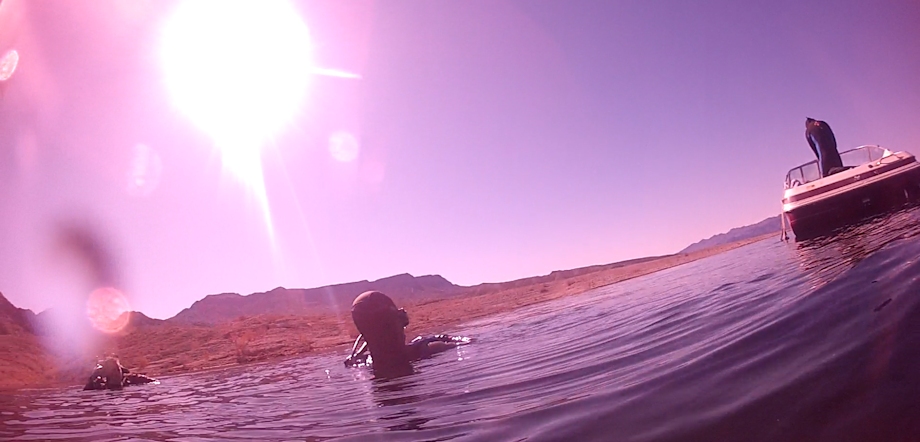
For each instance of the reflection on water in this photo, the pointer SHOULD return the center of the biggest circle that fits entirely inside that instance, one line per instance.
(774, 341)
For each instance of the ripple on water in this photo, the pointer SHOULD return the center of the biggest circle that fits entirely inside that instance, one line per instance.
(715, 349)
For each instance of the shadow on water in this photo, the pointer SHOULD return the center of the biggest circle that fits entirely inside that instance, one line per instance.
(400, 391)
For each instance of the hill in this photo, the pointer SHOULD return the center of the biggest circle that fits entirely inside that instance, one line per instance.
(59, 347)
(764, 227)
(214, 309)
(14, 319)
(22, 359)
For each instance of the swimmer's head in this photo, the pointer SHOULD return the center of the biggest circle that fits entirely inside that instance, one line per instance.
(111, 370)
(377, 317)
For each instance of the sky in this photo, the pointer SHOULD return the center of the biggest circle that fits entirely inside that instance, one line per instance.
(483, 141)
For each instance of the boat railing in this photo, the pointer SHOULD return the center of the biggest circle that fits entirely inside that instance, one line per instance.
(809, 171)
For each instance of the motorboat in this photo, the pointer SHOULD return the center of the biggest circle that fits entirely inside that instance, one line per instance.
(873, 180)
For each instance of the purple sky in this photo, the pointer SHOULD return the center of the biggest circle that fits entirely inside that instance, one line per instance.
(498, 139)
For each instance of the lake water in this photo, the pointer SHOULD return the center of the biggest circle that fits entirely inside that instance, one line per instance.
(815, 341)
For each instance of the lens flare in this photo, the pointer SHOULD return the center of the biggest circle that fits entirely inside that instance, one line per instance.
(107, 309)
(343, 146)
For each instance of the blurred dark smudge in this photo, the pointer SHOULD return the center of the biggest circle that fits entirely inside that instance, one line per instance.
(84, 243)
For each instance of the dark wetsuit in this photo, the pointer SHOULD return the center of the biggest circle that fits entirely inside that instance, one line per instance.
(822, 142)
(416, 349)
(381, 327)
(99, 381)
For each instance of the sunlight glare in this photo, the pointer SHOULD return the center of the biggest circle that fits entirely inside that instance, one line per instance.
(238, 69)
(338, 73)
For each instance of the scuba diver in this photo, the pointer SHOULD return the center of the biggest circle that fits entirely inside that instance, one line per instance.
(824, 145)
(111, 375)
(382, 337)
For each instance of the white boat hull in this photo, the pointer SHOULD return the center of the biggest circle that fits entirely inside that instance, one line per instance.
(865, 190)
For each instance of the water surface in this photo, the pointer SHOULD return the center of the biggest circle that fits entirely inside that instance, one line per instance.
(811, 341)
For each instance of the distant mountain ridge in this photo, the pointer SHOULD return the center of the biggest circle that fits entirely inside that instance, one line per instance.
(764, 227)
(60, 345)
(213, 309)
(226, 307)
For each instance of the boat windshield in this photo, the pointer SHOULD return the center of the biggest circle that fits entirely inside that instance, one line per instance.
(809, 172)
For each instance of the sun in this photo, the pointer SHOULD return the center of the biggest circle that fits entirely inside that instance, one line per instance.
(239, 70)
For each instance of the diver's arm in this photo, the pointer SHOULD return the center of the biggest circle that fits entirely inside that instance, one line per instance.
(437, 344)
(358, 341)
(358, 350)
(455, 340)
(138, 379)
(359, 357)
(361, 350)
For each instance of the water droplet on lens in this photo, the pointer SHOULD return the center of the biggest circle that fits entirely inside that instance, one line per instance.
(8, 64)
(144, 171)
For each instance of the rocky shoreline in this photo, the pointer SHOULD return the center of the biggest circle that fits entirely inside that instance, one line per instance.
(160, 348)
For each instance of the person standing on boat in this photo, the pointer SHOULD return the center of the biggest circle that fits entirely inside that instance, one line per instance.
(821, 139)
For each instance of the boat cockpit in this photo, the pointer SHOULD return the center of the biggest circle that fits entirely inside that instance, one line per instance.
(809, 171)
